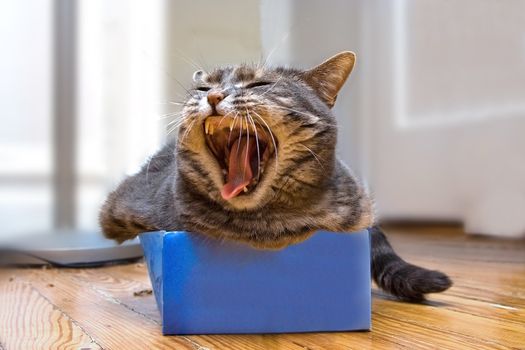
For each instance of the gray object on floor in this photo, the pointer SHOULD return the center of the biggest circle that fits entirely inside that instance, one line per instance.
(67, 248)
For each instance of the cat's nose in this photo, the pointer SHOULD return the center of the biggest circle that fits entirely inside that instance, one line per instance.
(215, 96)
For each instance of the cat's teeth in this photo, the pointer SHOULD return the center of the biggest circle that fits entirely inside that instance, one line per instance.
(231, 125)
(206, 126)
(245, 189)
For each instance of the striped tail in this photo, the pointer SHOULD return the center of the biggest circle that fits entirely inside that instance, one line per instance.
(399, 278)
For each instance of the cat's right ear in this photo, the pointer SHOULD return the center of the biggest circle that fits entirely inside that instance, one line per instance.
(328, 77)
(198, 76)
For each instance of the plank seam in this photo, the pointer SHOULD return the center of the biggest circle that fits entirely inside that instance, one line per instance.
(112, 299)
(55, 307)
(493, 318)
(466, 336)
(196, 345)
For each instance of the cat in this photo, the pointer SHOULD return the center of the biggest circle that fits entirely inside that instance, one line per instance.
(255, 162)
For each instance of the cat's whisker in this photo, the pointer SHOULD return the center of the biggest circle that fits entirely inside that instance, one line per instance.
(189, 61)
(179, 118)
(190, 93)
(313, 154)
(247, 145)
(273, 86)
(277, 46)
(170, 114)
(170, 130)
(240, 136)
(271, 135)
(174, 118)
(175, 124)
(232, 126)
(173, 128)
(257, 143)
(276, 195)
(174, 103)
(224, 116)
(273, 105)
(187, 131)
(295, 111)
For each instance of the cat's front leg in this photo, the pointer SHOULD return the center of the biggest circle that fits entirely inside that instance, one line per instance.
(121, 217)
(142, 202)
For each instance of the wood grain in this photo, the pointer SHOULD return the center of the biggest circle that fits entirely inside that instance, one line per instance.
(29, 321)
(99, 309)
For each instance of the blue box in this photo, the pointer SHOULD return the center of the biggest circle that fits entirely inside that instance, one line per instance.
(206, 286)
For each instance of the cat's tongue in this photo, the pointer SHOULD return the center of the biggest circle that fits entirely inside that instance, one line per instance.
(239, 171)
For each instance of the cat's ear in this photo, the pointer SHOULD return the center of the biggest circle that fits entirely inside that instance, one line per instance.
(328, 77)
(198, 76)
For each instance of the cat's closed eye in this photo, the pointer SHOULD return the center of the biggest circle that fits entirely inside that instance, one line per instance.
(203, 88)
(257, 84)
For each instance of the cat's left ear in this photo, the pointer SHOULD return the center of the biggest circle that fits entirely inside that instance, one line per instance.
(199, 76)
(328, 77)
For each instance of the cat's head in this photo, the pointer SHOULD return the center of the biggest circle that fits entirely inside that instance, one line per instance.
(251, 135)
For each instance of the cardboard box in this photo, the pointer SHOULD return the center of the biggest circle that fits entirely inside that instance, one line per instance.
(206, 286)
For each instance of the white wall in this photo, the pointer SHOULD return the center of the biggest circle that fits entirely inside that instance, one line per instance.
(120, 95)
(447, 112)
(120, 101)
(25, 117)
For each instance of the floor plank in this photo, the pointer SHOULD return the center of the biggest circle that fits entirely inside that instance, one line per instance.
(107, 307)
(30, 321)
(105, 319)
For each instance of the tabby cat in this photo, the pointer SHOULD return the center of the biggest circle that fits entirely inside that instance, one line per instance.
(255, 162)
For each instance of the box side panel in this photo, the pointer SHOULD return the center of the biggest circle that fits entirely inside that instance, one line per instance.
(322, 284)
(152, 244)
(179, 259)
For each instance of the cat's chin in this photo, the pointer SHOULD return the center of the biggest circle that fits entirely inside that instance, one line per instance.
(244, 203)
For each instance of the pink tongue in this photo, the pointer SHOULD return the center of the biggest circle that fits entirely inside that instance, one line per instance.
(239, 171)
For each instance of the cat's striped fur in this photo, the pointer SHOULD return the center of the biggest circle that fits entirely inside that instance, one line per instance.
(304, 186)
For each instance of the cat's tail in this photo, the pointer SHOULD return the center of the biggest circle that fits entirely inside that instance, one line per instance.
(401, 279)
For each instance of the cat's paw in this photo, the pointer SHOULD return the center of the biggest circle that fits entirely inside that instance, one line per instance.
(411, 283)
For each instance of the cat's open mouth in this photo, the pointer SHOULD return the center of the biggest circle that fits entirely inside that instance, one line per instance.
(242, 149)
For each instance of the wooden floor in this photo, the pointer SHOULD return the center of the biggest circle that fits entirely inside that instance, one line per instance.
(110, 308)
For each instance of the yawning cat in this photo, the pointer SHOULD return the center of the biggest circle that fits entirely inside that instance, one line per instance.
(255, 162)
